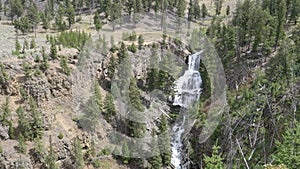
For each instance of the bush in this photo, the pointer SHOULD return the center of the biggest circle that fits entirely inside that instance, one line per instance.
(60, 136)
(97, 163)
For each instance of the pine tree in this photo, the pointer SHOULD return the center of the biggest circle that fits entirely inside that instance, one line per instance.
(287, 150)
(295, 11)
(122, 53)
(46, 21)
(191, 11)
(59, 22)
(181, 8)
(204, 11)
(16, 8)
(70, 13)
(26, 44)
(97, 21)
(64, 66)
(50, 160)
(112, 44)
(22, 24)
(6, 112)
(39, 149)
(281, 17)
(77, 153)
(109, 106)
(155, 160)
(91, 115)
(132, 48)
(215, 160)
(17, 46)
(44, 66)
(141, 41)
(227, 10)
(134, 96)
(164, 142)
(111, 67)
(23, 123)
(32, 43)
(37, 124)
(125, 153)
(33, 14)
(27, 70)
(22, 147)
(197, 9)
(11, 130)
(53, 50)
(218, 4)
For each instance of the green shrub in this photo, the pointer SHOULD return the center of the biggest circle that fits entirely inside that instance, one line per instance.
(60, 136)
(97, 163)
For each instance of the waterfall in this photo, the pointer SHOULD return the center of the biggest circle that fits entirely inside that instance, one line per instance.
(187, 91)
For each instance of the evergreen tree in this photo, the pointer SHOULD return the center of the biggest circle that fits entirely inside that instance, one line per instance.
(164, 142)
(50, 160)
(23, 123)
(6, 112)
(17, 46)
(27, 70)
(122, 53)
(77, 153)
(59, 22)
(22, 24)
(281, 17)
(125, 153)
(22, 147)
(64, 66)
(191, 11)
(204, 11)
(32, 43)
(287, 150)
(111, 67)
(218, 4)
(155, 160)
(26, 44)
(53, 49)
(37, 123)
(70, 13)
(227, 10)
(97, 21)
(11, 130)
(181, 8)
(197, 9)
(109, 106)
(141, 41)
(44, 66)
(39, 149)
(295, 11)
(112, 44)
(134, 96)
(132, 48)
(16, 8)
(91, 115)
(215, 160)
(45, 21)
(33, 14)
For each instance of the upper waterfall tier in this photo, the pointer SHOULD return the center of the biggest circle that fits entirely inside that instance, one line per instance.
(188, 87)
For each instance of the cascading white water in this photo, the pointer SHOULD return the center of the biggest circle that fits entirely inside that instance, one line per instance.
(188, 90)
